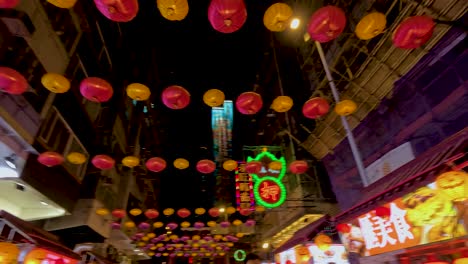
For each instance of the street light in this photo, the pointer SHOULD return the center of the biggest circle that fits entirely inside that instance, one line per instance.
(295, 22)
(265, 245)
(222, 209)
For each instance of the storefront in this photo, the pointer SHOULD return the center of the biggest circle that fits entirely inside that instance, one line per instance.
(416, 214)
(21, 242)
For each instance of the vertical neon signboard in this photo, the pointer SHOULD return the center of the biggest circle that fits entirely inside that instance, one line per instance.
(244, 189)
(268, 189)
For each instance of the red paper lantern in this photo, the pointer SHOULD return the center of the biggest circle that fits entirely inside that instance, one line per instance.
(103, 162)
(413, 32)
(253, 167)
(382, 211)
(118, 10)
(298, 166)
(151, 213)
(9, 3)
(343, 228)
(214, 212)
(315, 108)
(327, 23)
(245, 212)
(50, 158)
(175, 97)
(155, 164)
(227, 16)
(184, 212)
(206, 166)
(249, 103)
(12, 82)
(119, 213)
(96, 89)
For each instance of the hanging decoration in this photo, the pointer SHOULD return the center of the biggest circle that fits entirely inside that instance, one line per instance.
(131, 161)
(50, 158)
(371, 26)
(9, 3)
(155, 164)
(326, 24)
(227, 16)
(151, 213)
(249, 103)
(275, 165)
(76, 158)
(259, 208)
(138, 92)
(12, 82)
(345, 107)
(129, 224)
(200, 211)
(250, 222)
(173, 10)
(116, 226)
(158, 224)
(253, 167)
(144, 226)
(206, 166)
(55, 83)
(298, 166)
(176, 97)
(184, 212)
(282, 104)
(214, 212)
(315, 108)
(230, 210)
(181, 164)
(172, 226)
(119, 213)
(343, 228)
(224, 224)
(118, 10)
(413, 32)
(63, 3)
(230, 165)
(136, 211)
(277, 16)
(323, 242)
(9, 252)
(269, 191)
(211, 223)
(168, 211)
(199, 225)
(240, 255)
(102, 211)
(96, 89)
(103, 162)
(185, 224)
(244, 189)
(213, 97)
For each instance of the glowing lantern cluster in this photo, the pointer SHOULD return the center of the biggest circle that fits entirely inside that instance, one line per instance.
(12, 82)
(249, 103)
(138, 92)
(174, 10)
(55, 83)
(96, 89)
(118, 10)
(50, 158)
(227, 16)
(63, 3)
(175, 97)
(315, 108)
(327, 23)
(277, 16)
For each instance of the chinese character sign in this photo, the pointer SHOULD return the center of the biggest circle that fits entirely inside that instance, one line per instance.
(421, 217)
(244, 192)
(269, 191)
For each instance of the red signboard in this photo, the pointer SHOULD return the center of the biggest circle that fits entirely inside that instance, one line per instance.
(244, 189)
(269, 191)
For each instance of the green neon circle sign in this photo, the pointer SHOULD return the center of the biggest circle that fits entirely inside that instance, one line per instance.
(240, 255)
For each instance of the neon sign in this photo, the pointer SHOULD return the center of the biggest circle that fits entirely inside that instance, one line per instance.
(269, 191)
(244, 189)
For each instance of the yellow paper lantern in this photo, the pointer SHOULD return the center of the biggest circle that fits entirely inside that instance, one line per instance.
(138, 92)
(230, 244)
(130, 161)
(371, 25)
(151, 235)
(8, 252)
(178, 245)
(237, 222)
(207, 254)
(181, 164)
(135, 212)
(165, 254)
(196, 237)
(230, 165)
(102, 212)
(323, 242)
(174, 237)
(275, 165)
(170, 248)
(195, 245)
(76, 158)
(282, 104)
(158, 224)
(211, 223)
(153, 248)
(145, 238)
(168, 211)
(63, 3)
(174, 10)
(277, 16)
(259, 208)
(180, 254)
(218, 237)
(345, 107)
(213, 97)
(129, 224)
(222, 254)
(185, 224)
(35, 256)
(194, 254)
(200, 211)
(454, 184)
(239, 235)
(230, 210)
(150, 254)
(55, 83)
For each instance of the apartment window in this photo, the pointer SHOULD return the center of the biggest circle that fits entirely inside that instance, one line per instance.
(57, 135)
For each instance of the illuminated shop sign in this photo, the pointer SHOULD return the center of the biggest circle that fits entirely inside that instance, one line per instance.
(244, 189)
(430, 214)
(310, 253)
(269, 191)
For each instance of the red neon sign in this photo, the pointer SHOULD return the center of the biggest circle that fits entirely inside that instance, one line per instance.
(269, 191)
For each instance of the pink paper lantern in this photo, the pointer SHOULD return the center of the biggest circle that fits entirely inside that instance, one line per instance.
(144, 226)
(172, 226)
(175, 97)
(214, 212)
(50, 158)
(96, 89)
(198, 225)
(103, 162)
(227, 16)
(224, 224)
(184, 212)
(206, 166)
(249, 103)
(118, 10)
(155, 164)
(11, 81)
(151, 213)
(185, 238)
(413, 32)
(9, 3)
(158, 255)
(119, 213)
(249, 222)
(253, 167)
(298, 166)
(115, 225)
(327, 23)
(315, 108)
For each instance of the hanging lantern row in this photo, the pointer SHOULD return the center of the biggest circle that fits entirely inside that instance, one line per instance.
(172, 226)
(195, 241)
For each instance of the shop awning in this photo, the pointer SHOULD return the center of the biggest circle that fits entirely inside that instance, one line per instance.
(302, 235)
(26, 232)
(449, 154)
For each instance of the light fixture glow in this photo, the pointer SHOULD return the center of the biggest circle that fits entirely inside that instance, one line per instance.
(44, 203)
(222, 209)
(295, 22)
(6, 172)
(265, 245)
(10, 161)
